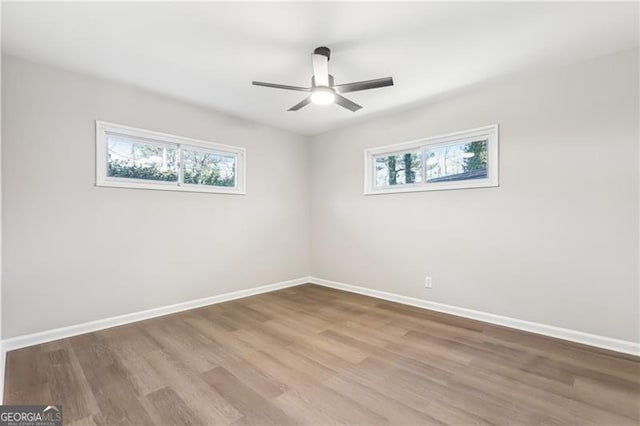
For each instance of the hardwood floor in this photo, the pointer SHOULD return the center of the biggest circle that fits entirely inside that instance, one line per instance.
(315, 355)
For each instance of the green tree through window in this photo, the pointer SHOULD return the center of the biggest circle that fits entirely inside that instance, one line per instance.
(202, 168)
(475, 156)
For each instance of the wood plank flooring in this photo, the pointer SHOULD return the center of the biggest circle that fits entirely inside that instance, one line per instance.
(313, 355)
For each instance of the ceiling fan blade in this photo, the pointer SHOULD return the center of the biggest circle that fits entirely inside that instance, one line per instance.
(364, 85)
(304, 102)
(346, 103)
(281, 86)
(320, 69)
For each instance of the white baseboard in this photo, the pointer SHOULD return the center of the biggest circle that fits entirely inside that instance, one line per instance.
(546, 330)
(18, 342)
(87, 327)
(603, 342)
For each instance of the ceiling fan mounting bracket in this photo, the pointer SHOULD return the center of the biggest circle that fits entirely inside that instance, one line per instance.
(324, 51)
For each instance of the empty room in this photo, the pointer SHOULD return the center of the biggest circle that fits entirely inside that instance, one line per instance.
(359, 213)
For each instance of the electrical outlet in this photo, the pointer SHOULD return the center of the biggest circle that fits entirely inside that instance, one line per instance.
(427, 282)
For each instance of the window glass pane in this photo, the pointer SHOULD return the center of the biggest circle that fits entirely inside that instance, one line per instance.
(456, 162)
(206, 168)
(132, 159)
(399, 169)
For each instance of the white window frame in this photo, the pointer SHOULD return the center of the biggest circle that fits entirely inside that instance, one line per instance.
(103, 129)
(490, 133)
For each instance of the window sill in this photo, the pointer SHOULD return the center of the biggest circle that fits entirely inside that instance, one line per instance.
(171, 187)
(485, 183)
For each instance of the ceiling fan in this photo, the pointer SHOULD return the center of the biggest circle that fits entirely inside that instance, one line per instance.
(322, 90)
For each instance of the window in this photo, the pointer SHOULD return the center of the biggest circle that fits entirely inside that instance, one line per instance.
(136, 158)
(467, 159)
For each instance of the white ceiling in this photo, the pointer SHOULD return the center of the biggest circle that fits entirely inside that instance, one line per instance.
(208, 53)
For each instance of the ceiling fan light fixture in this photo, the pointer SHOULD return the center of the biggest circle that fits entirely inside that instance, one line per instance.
(323, 96)
(322, 90)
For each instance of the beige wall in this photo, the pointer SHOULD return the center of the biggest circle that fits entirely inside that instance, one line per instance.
(556, 243)
(74, 252)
